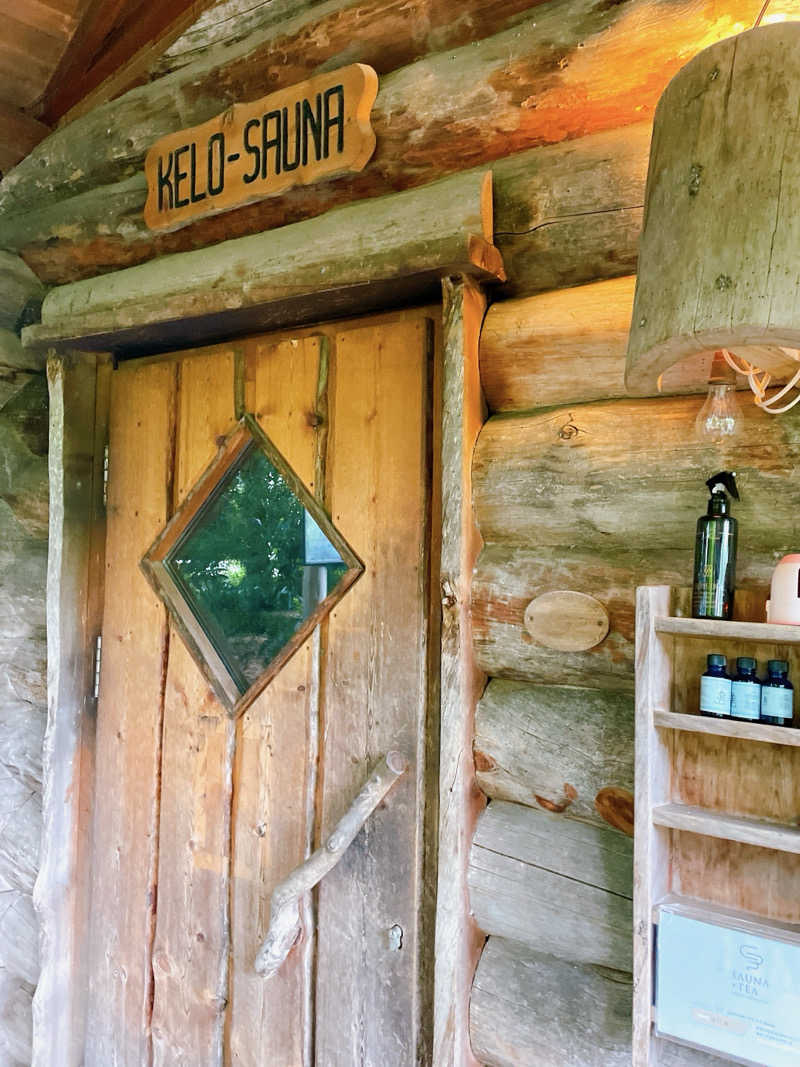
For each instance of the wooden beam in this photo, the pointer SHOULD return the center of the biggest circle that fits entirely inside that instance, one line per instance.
(564, 214)
(457, 938)
(19, 134)
(423, 233)
(77, 413)
(115, 43)
(478, 106)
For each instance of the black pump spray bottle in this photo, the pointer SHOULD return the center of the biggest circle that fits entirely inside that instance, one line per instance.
(715, 552)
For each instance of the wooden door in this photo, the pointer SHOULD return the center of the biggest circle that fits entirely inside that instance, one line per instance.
(199, 815)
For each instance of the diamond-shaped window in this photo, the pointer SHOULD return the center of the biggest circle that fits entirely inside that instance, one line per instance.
(248, 565)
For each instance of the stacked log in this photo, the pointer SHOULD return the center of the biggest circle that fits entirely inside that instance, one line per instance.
(23, 564)
(498, 82)
(577, 487)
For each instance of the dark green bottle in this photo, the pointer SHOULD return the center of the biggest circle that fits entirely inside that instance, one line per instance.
(715, 552)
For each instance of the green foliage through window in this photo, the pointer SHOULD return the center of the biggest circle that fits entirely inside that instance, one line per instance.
(244, 568)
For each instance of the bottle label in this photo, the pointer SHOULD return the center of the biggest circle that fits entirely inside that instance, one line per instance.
(715, 695)
(746, 700)
(776, 702)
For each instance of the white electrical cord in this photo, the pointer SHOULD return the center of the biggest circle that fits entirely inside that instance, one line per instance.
(759, 384)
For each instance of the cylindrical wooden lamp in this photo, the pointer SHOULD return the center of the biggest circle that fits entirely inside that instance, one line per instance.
(719, 260)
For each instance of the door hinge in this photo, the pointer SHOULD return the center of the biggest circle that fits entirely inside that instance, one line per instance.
(98, 657)
(105, 476)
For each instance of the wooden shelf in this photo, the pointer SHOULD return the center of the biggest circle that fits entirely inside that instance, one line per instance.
(746, 831)
(739, 631)
(692, 773)
(747, 731)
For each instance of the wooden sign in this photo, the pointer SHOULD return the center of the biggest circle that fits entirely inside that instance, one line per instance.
(313, 130)
(566, 620)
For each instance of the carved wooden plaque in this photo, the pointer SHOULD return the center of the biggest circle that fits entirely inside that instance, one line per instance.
(313, 130)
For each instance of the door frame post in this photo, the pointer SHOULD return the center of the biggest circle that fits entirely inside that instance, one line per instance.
(78, 385)
(458, 940)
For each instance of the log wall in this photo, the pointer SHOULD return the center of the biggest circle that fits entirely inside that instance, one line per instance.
(23, 702)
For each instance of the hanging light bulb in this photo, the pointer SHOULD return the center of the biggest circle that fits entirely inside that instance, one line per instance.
(720, 418)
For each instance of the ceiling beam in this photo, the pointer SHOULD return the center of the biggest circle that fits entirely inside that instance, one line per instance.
(19, 133)
(113, 47)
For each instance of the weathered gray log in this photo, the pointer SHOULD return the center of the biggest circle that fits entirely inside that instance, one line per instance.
(533, 1010)
(601, 477)
(15, 360)
(482, 101)
(15, 1020)
(23, 564)
(61, 896)
(555, 747)
(567, 346)
(424, 233)
(559, 885)
(277, 34)
(19, 935)
(109, 144)
(571, 213)
(18, 287)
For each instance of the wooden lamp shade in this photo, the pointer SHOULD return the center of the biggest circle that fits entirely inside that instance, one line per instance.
(719, 260)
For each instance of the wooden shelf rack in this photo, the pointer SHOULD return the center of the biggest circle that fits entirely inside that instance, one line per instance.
(717, 801)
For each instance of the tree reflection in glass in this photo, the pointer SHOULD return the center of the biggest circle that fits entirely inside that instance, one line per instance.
(253, 565)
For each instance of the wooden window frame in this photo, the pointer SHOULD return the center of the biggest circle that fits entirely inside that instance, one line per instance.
(155, 566)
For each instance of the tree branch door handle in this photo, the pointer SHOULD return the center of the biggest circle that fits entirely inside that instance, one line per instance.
(284, 925)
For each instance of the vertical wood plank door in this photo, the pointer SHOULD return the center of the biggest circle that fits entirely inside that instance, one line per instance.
(198, 815)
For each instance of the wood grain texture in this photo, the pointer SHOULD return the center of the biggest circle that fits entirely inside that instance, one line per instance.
(652, 867)
(393, 33)
(746, 831)
(67, 756)
(457, 938)
(375, 700)
(112, 46)
(735, 775)
(429, 231)
(129, 722)
(277, 748)
(19, 133)
(566, 621)
(20, 286)
(191, 945)
(558, 885)
(737, 291)
(567, 346)
(598, 453)
(511, 91)
(735, 875)
(507, 577)
(35, 34)
(532, 1010)
(553, 747)
(174, 199)
(751, 731)
(541, 218)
